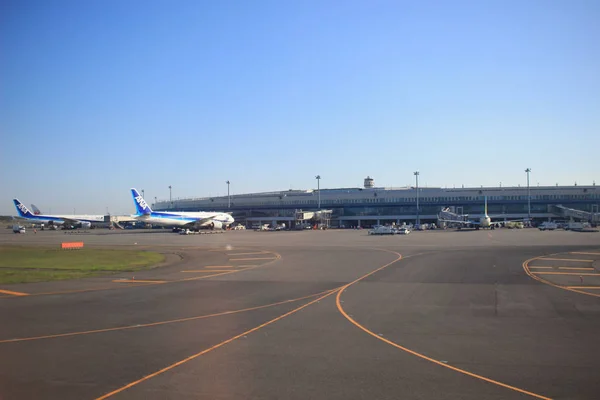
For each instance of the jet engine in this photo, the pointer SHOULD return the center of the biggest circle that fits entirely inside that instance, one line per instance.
(216, 225)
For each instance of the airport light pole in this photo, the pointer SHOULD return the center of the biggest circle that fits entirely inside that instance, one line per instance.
(155, 201)
(528, 170)
(318, 178)
(170, 197)
(416, 173)
(143, 194)
(228, 197)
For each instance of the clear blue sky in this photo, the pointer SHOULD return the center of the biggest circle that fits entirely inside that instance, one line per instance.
(100, 96)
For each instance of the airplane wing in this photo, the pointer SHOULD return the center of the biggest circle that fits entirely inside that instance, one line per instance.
(454, 221)
(199, 222)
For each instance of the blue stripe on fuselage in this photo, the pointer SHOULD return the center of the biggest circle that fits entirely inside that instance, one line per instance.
(168, 216)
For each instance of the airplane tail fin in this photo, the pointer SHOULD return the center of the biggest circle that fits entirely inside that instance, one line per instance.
(485, 206)
(22, 209)
(141, 207)
(36, 210)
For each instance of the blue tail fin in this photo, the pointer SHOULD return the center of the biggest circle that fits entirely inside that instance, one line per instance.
(21, 209)
(141, 207)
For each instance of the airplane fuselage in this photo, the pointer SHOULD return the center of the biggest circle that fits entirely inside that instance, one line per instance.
(180, 219)
(61, 219)
(485, 221)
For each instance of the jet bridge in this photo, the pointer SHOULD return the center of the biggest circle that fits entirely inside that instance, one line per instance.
(321, 218)
(573, 213)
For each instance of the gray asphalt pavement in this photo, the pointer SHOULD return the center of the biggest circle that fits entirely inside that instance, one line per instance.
(319, 315)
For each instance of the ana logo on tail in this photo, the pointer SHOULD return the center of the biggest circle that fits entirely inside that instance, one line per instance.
(140, 200)
(21, 209)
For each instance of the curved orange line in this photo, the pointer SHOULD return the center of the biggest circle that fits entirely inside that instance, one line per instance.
(414, 353)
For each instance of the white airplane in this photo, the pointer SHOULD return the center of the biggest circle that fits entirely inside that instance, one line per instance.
(179, 219)
(484, 221)
(78, 221)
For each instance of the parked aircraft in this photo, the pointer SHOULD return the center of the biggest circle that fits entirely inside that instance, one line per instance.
(484, 221)
(179, 219)
(77, 221)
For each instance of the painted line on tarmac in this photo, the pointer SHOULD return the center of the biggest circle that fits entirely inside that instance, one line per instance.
(578, 268)
(82, 290)
(208, 270)
(567, 259)
(145, 378)
(220, 266)
(190, 358)
(565, 273)
(137, 280)
(585, 253)
(135, 284)
(584, 287)
(13, 293)
(422, 356)
(533, 275)
(247, 259)
(543, 267)
(245, 254)
(172, 321)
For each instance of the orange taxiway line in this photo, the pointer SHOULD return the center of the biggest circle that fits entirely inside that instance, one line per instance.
(145, 378)
(567, 259)
(223, 343)
(565, 273)
(422, 356)
(532, 275)
(13, 293)
(172, 321)
(278, 257)
(207, 270)
(584, 287)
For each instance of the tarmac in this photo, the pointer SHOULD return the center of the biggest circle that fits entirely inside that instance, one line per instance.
(503, 314)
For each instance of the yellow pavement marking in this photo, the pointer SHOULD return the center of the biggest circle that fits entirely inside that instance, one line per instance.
(578, 268)
(542, 267)
(209, 270)
(223, 343)
(246, 259)
(170, 321)
(583, 287)
(13, 293)
(244, 254)
(340, 308)
(586, 253)
(547, 282)
(220, 266)
(565, 273)
(566, 259)
(134, 283)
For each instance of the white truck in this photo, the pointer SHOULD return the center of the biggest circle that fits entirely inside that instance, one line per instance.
(574, 226)
(18, 229)
(548, 225)
(382, 230)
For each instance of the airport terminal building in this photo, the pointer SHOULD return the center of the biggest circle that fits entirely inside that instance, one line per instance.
(370, 205)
